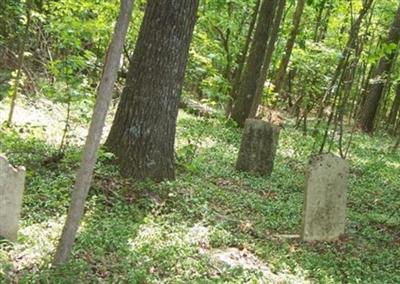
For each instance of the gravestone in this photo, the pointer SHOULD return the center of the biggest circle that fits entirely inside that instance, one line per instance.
(325, 198)
(11, 192)
(258, 147)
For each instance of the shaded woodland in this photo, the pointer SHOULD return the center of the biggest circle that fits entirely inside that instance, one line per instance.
(158, 137)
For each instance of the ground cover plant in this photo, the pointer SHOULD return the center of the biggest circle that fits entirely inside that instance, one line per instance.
(141, 231)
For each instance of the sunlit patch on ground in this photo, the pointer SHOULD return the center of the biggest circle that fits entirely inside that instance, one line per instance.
(47, 120)
(197, 237)
(34, 248)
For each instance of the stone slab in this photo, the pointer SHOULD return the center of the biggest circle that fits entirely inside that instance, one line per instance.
(325, 198)
(258, 147)
(11, 192)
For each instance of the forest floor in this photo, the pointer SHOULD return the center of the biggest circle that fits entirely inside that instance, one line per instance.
(212, 225)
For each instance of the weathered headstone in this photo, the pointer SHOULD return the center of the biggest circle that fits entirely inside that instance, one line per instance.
(258, 147)
(11, 191)
(325, 198)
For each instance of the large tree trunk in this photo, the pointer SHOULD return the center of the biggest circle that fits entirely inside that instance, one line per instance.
(281, 74)
(376, 86)
(268, 56)
(395, 107)
(252, 70)
(363, 91)
(143, 132)
(241, 60)
(89, 156)
(397, 144)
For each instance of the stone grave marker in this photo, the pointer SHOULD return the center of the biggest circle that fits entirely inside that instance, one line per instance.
(11, 191)
(325, 198)
(258, 147)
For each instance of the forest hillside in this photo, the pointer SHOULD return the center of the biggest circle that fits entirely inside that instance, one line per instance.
(240, 141)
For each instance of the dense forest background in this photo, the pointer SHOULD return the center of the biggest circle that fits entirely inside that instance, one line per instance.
(65, 42)
(326, 72)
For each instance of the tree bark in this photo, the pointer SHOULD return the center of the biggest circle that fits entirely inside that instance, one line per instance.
(89, 155)
(394, 110)
(241, 60)
(363, 91)
(397, 144)
(376, 85)
(252, 70)
(143, 132)
(281, 74)
(268, 56)
(382, 111)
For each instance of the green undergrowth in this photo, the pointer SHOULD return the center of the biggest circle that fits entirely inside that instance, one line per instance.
(139, 232)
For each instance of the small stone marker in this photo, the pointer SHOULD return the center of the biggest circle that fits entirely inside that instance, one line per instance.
(11, 191)
(258, 147)
(325, 198)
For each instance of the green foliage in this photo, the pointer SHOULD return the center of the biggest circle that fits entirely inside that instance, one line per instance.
(140, 232)
(70, 39)
(217, 43)
(12, 17)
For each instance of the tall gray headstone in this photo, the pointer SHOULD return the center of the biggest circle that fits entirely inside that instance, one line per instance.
(325, 198)
(258, 147)
(11, 191)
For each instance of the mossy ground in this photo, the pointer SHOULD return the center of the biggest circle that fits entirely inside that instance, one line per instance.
(138, 232)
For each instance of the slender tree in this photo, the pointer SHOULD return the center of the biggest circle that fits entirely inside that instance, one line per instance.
(241, 59)
(253, 68)
(281, 73)
(20, 63)
(377, 84)
(346, 53)
(89, 155)
(320, 9)
(324, 12)
(142, 135)
(268, 56)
